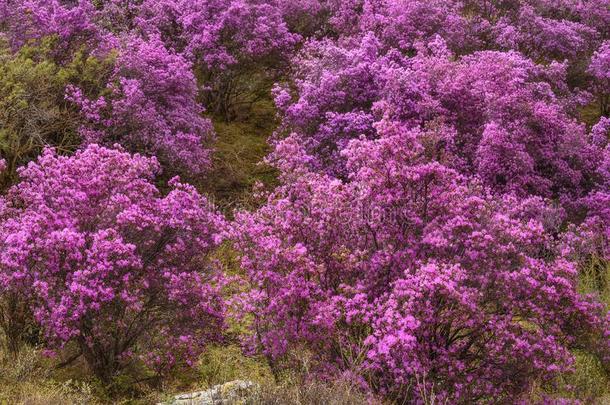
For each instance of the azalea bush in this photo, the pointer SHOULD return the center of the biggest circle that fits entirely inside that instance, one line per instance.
(329, 100)
(149, 105)
(238, 46)
(74, 23)
(100, 258)
(411, 272)
(548, 30)
(495, 114)
(599, 68)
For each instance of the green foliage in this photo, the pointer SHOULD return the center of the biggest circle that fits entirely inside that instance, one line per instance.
(590, 380)
(587, 382)
(33, 110)
(595, 279)
(590, 113)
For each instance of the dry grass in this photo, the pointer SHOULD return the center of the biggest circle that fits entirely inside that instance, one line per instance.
(28, 379)
(221, 364)
(239, 150)
(315, 393)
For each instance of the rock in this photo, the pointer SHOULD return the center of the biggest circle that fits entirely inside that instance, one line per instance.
(230, 393)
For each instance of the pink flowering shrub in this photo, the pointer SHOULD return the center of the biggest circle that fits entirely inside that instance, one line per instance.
(217, 33)
(542, 37)
(105, 261)
(226, 40)
(499, 118)
(150, 106)
(591, 238)
(496, 114)
(402, 24)
(307, 18)
(552, 30)
(410, 271)
(149, 103)
(442, 188)
(73, 23)
(541, 29)
(335, 87)
(599, 68)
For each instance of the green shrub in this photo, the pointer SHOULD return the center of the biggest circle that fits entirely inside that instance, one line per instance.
(33, 110)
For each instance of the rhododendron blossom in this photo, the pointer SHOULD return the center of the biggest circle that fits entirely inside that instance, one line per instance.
(93, 247)
(336, 87)
(411, 270)
(151, 107)
(74, 24)
(231, 42)
(219, 33)
(495, 113)
(551, 30)
(600, 69)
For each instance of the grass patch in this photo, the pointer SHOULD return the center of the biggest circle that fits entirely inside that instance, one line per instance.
(239, 150)
(221, 364)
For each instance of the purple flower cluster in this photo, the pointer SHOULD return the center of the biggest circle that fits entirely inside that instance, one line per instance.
(431, 158)
(93, 246)
(150, 106)
(411, 269)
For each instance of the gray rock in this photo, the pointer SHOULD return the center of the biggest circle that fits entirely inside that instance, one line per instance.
(231, 393)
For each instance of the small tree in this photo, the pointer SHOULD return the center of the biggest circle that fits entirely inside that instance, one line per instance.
(237, 46)
(600, 70)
